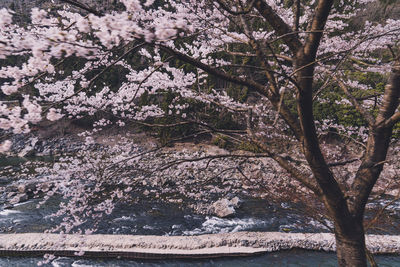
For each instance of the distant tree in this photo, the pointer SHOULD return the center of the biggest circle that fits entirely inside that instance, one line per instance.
(289, 55)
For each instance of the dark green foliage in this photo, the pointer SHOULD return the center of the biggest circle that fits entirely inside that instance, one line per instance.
(249, 146)
(346, 115)
(220, 140)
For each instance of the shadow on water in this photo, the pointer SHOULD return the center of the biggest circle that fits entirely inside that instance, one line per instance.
(285, 258)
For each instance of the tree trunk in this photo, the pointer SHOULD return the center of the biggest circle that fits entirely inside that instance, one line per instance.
(350, 246)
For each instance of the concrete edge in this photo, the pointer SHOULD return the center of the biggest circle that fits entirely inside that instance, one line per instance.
(179, 247)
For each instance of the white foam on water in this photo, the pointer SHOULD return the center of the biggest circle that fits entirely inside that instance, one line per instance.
(8, 212)
(176, 226)
(23, 203)
(392, 206)
(124, 218)
(214, 225)
(58, 262)
(79, 263)
(285, 205)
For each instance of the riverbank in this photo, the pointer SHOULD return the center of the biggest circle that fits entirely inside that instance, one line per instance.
(167, 247)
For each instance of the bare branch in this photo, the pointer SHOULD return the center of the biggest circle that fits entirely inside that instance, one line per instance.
(342, 163)
(167, 125)
(147, 77)
(91, 82)
(220, 156)
(296, 12)
(220, 74)
(287, 58)
(260, 184)
(283, 162)
(97, 76)
(211, 129)
(274, 98)
(83, 6)
(380, 212)
(279, 25)
(298, 175)
(274, 94)
(393, 120)
(260, 53)
(235, 13)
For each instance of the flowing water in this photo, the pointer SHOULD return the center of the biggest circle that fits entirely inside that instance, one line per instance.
(157, 218)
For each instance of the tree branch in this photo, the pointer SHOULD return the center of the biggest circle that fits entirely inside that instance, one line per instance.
(211, 129)
(278, 25)
(296, 12)
(393, 120)
(91, 82)
(213, 71)
(235, 13)
(283, 162)
(241, 54)
(148, 76)
(220, 156)
(284, 111)
(274, 94)
(391, 98)
(83, 6)
(378, 144)
(318, 23)
(342, 163)
(333, 196)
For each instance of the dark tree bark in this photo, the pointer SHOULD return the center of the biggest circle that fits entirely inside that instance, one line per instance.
(350, 244)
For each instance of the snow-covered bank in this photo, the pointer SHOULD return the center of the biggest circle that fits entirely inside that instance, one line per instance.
(214, 245)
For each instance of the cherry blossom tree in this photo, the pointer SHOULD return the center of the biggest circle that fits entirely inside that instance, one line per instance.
(289, 56)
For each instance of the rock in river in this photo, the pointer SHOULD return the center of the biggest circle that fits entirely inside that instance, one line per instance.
(224, 207)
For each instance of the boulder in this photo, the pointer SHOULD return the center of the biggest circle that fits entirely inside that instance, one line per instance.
(235, 202)
(224, 207)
